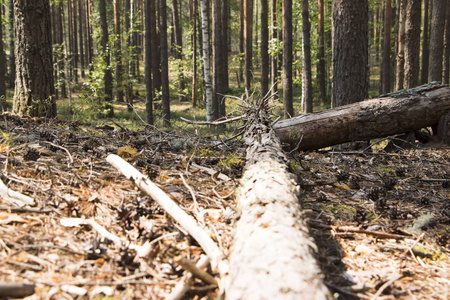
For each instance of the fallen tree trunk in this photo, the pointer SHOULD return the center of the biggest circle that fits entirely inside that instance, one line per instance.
(394, 113)
(270, 256)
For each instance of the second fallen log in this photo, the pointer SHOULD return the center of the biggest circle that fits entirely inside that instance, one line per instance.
(395, 113)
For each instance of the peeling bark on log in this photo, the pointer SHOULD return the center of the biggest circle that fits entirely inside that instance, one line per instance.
(394, 113)
(270, 257)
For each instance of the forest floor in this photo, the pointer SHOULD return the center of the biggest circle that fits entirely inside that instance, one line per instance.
(381, 220)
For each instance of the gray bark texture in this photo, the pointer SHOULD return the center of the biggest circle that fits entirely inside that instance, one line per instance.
(399, 112)
(270, 257)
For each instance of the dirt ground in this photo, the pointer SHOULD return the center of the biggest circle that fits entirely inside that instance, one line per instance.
(381, 220)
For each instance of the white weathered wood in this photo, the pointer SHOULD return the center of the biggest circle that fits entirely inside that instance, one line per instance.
(14, 197)
(186, 221)
(270, 256)
(374, 118)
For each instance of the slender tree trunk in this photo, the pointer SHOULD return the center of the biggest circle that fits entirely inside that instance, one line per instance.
(128, 63)
(437, 40)
(70, 41)
(274, 56)
(107, 71)
(81, 33)
(148, 63)
(287, 59)
(164, 64)
(217, 56)
(193, 6)
(75, 39)
(241, 43)
(350, 51)
(412, 44)
(34, 89)
(131, 62)
(55, 43)
(386, 57)
(425, 46)
(321, 73)
(377, 37)
(306, 47)
(206, 63)
(248, 45)
(156, 66)
(178, 49)
(219, 46)
(61, 55)
(118, 52)
(399, 79)
(264, 48)
(226, 45)
(2, 68)
(12, 56)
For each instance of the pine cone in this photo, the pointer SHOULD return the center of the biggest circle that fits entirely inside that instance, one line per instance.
(31, 155)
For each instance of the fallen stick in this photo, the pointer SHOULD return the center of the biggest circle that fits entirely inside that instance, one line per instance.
(378, 234)
(186, 221)
(197, 272)
(183, 286)
(14, 197)
(16, 290)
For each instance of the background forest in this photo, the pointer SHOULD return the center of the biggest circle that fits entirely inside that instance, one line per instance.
(130, 81)
(110, 57)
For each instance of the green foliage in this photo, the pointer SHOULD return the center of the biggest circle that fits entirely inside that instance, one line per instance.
(232, 160)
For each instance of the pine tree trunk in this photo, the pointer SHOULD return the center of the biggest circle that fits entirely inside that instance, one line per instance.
(350, 51)
(75, 38)
(156, 66)
(399, 79)
(386, 55)
(446, 58)
(34, 88)
(306, 49)
(118, 52)
(437, 40)
(217, 48)
(264, 48)
(88, 35)
(12, 56)
(164, 63)
(70, 42)
(148, 63)
(274, 56)
(248, 45)
(178, 49)
(226, 45)
(412, 44)
(61, 55)
(81, 33)
(287, 59)
(107, 70)
(240, 75)
(2, 69)
(321, 74)
(425, 46)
